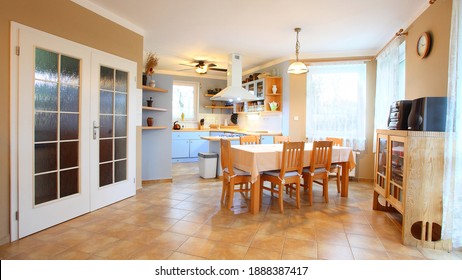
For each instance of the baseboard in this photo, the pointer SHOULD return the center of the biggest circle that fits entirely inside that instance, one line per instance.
(158, 181)
(361, 180)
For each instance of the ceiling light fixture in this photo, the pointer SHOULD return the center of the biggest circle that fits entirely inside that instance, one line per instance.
(297, 67)
(201, 69)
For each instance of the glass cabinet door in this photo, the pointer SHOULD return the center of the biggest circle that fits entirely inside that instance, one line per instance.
(381, 165)
(397, 164)
(259, 89)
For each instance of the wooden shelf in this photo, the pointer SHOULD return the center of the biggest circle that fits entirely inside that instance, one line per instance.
(148, 88)
(154, 109)
(209, 95)
(273, 94)
(218, 107)
(153, 127)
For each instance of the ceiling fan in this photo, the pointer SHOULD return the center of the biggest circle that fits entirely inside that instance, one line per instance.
(202, 66)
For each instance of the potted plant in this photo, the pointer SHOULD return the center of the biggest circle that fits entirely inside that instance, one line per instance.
(151, 62)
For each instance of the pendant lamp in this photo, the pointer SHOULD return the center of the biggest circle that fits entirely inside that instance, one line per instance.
(297, 67)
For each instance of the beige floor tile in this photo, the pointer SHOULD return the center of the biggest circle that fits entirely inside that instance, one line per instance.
(295, 257)
(196, 217)
(362, 229)
(238, 236)
(151, 253)
(186, 228)
(268, 242)
(226, 251)
(120, 250)
(144, 235)
(210, 232)
(301, 233)
(260, 254)
(72, 255)
(197, 247)
(121, 230)
(72, 237)
(365, 242)
(337, 238)
(161, 223)
(305, 248)
(368, 254)
(181, 256)
(95, 243)
(41, 252)
(170, 240)
(327, 251)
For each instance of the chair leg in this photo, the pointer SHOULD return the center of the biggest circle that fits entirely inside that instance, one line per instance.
(310, 191)
(281, 202)
(325, 187)
(223, 191)
(297, 194)
(231, 194)
(338, 179)
(261, 192)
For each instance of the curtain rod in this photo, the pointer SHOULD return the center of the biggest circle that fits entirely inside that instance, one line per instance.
(397, 35)
(334, 59)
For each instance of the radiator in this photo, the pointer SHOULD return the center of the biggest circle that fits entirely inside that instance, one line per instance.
(353, 171)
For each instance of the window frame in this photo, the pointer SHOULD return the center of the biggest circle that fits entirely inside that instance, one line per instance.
(196, 86)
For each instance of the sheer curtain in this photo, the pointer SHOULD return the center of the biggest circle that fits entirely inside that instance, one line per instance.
(452, 188)
(387, 84)
(335, 103)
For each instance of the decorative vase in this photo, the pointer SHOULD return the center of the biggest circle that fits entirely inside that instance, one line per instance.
(149, 102)
(152, 83)
(274, 89)
(150, 121)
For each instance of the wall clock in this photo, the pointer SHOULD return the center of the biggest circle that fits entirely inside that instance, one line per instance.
(423, 45)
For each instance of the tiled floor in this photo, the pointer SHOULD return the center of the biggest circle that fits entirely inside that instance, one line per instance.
(184, 220)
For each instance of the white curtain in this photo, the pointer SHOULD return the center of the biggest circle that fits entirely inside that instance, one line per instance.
(387, 84)
(336, 103)
(452, 189)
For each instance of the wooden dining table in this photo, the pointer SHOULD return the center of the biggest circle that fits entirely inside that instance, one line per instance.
(265, 157)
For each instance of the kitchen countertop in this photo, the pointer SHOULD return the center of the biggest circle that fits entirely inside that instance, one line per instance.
(247, 132)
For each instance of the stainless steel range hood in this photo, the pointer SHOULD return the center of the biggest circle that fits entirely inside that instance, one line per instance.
(234, 92)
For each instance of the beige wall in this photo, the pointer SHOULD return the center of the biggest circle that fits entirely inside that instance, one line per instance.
(429, 76)
(297, 107)
(67, 20)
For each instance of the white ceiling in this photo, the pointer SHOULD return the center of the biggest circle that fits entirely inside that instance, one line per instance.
(262, 31)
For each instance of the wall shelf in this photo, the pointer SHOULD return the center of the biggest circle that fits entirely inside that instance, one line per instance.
(218, 107)
(153, 127)
(154, 109)
(154, 89)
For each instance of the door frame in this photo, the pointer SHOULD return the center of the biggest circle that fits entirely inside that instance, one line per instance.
(15, 30)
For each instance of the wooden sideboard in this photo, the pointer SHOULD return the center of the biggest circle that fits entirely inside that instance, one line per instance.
(409, 171)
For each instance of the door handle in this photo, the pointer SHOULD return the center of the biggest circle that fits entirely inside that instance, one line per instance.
(95, 129)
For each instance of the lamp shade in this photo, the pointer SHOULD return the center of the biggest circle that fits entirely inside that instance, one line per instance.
(297, 68)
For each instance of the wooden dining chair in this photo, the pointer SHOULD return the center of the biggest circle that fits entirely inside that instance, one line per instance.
(336, 169)
(320, 161)
(249, 140)
(288, 176)
(232, 176)
(279, 139)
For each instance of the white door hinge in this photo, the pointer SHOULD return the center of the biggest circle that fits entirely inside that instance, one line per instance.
(18, 50)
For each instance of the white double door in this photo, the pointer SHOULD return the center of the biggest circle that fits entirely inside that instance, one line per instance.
(75, 137)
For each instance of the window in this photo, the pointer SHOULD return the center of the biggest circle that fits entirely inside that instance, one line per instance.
(336, 103)
(185, 100)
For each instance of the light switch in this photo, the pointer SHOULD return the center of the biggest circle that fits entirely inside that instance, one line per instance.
(295, 118)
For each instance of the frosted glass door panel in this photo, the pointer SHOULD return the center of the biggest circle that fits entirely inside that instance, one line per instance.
(56, 129)
(113, 87)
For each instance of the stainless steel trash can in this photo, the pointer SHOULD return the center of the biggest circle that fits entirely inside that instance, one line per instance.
(208, 165)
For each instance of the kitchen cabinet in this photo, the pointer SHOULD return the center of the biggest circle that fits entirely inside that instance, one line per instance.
(409, 171)
(266, 139)
(186, 145)
(263, 89)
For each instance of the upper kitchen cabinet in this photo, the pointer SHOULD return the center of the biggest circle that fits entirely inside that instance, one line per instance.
(269, 90)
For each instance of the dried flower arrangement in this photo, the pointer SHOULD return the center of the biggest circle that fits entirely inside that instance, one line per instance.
(151, 62)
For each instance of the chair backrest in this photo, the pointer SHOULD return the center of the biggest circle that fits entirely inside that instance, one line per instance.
(292, 157)
(249, 140)
(321, 155)
(335, 141)
(226, 158)
(279, 139)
